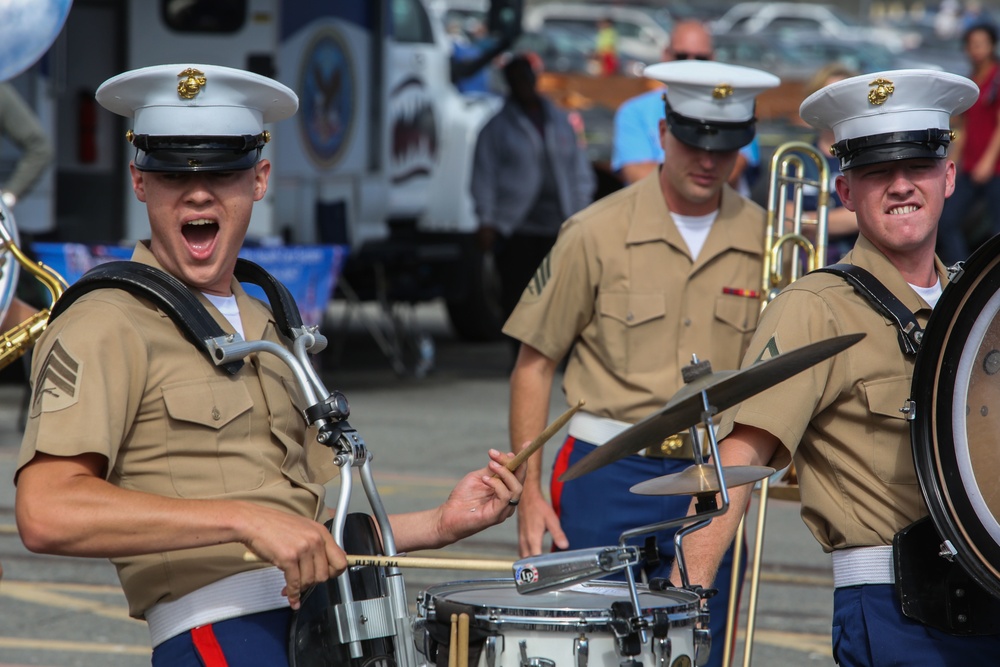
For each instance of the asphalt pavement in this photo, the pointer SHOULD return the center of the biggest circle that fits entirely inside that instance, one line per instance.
(425, 433)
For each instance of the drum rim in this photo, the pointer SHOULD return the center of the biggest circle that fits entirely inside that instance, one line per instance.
(496, 616)
(935, 452)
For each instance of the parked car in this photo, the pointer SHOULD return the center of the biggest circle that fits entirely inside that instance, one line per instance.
(643, 32)
(560, 50)
(822, 20)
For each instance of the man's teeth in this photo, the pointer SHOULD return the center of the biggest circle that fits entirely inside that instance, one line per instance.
(903, 210)
(203, 221)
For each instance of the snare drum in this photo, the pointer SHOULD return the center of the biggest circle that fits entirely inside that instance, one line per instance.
(570, 627)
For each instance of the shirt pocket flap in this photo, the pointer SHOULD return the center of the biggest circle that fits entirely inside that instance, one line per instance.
(633, 309)
(733, 310)
(212, 404)
(886, 397)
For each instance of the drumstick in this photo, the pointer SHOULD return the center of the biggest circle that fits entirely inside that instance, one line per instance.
(543, 437)
(422, 563)
(453, 645)
(463, 640)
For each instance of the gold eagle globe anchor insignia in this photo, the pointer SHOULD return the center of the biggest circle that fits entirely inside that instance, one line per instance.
(881, 90)
(722, 91)
(189, 86)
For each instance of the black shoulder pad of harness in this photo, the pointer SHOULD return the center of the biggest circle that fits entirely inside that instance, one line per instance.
(166, 292)
(882, 300)
(283, 306)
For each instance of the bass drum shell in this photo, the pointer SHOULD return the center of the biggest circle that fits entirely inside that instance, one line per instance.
(313, 637)
(551, 624)
(956, 430)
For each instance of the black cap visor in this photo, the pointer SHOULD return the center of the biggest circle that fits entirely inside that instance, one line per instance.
(174, 154)
(710, 135)
(892, 146)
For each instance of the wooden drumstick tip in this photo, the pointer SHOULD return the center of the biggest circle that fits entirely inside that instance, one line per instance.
(453, 645)
(543, 437)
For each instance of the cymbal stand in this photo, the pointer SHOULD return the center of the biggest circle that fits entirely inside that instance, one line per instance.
(328, 412)
(706, 507)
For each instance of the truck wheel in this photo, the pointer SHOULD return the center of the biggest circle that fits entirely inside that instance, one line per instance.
(477, 315)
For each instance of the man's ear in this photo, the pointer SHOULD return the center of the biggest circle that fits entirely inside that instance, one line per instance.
(262, 171)
(138, 184)
(843, 187)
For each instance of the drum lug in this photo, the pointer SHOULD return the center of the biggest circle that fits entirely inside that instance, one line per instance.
(533, 662)
(662, 651)
(491, 651)
(702, 646)
(581, 649)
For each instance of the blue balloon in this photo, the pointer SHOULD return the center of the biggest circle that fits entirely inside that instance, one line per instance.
(27, 30)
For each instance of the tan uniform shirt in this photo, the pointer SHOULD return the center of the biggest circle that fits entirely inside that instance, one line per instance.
(856, 474)
(620, 293)
(114, 376)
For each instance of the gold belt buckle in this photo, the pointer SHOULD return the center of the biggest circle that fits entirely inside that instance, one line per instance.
(672, 447)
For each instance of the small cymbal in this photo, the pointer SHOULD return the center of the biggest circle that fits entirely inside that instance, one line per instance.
(723, 390)
(700, 479)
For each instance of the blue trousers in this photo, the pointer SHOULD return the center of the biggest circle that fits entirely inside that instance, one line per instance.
(255, 640)
(596, 509)
(870, 630)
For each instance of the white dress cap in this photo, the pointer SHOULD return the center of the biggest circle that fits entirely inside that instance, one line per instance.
(182, 109)
(711, 91)
(710, 105)
(890, 115)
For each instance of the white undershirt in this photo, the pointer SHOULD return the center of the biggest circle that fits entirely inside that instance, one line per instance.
(929, 294)
(694, 229)
(227, 306)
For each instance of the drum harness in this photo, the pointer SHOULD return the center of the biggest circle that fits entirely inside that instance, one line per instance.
(335, 621)
(931, 585)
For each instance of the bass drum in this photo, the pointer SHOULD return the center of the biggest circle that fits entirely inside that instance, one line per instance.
(9, 266)
(314, 636)
(956, 431)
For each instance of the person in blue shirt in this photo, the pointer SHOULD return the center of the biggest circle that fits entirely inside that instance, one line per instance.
(636, 149)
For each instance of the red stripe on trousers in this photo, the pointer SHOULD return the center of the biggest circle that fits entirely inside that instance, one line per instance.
(207, 646)
(560, 466)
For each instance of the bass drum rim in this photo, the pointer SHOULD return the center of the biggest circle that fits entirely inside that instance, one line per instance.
(942, 455)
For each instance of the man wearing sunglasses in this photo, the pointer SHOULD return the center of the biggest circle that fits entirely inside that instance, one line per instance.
(636, 150)
(636, 286)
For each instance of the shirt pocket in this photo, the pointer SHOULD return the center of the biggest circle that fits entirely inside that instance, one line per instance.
(633, 329)
(208, 435)
(891, 457)
(738, 315)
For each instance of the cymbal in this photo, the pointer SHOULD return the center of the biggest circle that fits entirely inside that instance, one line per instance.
(723, 389)
(699, 479)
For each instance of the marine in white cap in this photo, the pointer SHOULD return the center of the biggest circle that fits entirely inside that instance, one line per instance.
(636, 284)
(844, 422)
(175, 469)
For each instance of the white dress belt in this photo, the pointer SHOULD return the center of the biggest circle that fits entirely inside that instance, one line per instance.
(863, 565)
(241, 594)
(593, 429)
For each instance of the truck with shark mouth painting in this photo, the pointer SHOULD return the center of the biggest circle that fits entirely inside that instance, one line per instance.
(378, 157)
